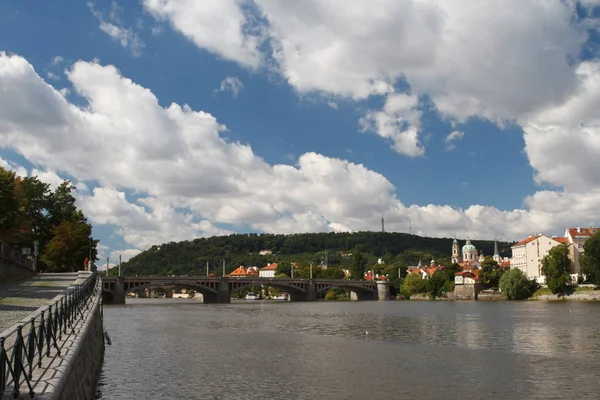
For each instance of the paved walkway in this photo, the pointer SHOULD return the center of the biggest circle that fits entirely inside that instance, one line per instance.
(18, 299)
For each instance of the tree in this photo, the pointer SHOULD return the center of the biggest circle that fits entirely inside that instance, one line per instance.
(490, 272)
(590, 261)
(514, 285)
(358, 266)
(435, 284)
(69, 246)
(284, 268)
(9, 204)
(413, 284)
(556, 267)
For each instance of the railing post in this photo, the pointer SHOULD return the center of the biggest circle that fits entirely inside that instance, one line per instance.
(18, 362)
(3, 361)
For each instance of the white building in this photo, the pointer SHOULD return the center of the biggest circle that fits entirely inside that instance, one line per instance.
(527, 255)
(577, 237)
(268, 271)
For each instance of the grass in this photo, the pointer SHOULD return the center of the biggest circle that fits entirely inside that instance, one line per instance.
(544, 291)
(580, 289)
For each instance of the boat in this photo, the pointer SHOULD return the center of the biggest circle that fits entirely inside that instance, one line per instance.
(251, 296)
(281, 296)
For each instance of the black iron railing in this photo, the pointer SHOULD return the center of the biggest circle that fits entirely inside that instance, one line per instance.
(23, 348)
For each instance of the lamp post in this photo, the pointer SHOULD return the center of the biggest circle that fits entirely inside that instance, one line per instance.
(292, 269)
(107, 266)
(310, 270)
(119, 265)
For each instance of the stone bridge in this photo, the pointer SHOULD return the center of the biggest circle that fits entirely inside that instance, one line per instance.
(219, 289)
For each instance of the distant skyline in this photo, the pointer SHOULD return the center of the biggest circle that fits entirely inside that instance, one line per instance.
(178, 119)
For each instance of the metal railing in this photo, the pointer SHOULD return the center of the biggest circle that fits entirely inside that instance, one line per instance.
(14, 254)
(23, 348)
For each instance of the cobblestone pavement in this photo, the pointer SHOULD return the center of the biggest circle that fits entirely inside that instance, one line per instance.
(18, 299)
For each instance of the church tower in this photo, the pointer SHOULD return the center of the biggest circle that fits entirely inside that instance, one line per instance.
(496, 255)
(455, 252)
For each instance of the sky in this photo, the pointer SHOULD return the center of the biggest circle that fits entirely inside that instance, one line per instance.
(178, 119)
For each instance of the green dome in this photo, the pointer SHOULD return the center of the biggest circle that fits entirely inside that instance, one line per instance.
(468, 246)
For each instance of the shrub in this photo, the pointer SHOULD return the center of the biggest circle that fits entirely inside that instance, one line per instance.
(515, 285)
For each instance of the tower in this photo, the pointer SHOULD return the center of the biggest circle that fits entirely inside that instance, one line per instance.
(382, 224)
(496, 255)
(455, 252)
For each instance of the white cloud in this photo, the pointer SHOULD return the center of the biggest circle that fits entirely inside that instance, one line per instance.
(218, 26)
(470, 58)
(231, 84)
(563, 142)
(49, 177)
(56, 60)
(11, 166)
(110, 25)
(399, 122)
(452, 138)
(188, 182)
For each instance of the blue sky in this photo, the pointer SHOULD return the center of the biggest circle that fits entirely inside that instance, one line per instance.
(382, 99)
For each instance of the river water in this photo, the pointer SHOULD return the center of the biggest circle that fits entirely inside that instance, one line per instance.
(183, 349)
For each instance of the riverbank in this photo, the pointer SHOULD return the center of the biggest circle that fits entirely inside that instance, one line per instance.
(580, 294)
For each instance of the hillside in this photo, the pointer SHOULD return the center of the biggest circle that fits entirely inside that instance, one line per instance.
(191, 257)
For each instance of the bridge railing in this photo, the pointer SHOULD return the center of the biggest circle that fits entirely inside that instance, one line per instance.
(23, 347)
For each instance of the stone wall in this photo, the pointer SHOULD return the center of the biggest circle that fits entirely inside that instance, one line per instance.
(466, 292)
(78, 370)
(13, 265)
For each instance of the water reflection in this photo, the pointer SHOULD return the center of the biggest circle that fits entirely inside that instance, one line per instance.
(356, 350)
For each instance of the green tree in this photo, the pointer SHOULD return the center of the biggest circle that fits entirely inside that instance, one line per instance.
(556, 267)
(358, 266)
(284, 268)
(590, 262)
(412, 284)
(9, 204)
(435, 284)
(69, 246)
(514, 285)
(490, 272)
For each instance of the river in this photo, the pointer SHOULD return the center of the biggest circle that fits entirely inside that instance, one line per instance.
(177, 348)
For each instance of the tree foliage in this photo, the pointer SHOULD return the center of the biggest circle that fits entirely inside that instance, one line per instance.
(30, 211)
(413, 284)
(590, 262)
(491, 272)
(556, 267)
(358, 266)
(514, 285)
(398, 250)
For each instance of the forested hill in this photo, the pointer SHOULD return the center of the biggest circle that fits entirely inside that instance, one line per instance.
(191, 257)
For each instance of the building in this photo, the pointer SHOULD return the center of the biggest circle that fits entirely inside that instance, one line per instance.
(268, 271)
(466, 277)
(243, 272)
(576, 238)
(527, 254)
(467, 255)
(425, 272)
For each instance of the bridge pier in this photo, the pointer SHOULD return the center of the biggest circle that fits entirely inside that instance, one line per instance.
(223, 295)
(383, 290)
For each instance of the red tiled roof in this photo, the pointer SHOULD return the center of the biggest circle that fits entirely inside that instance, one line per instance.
(562, 240)
(529, 239)
(586, 232)
(269, 267)
(243, 271)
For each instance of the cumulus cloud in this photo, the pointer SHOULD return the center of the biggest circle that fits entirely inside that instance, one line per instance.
(399, 122)
(111, 25)
(452, 138)
(472, 59)
(191, 181)
(231, 84)
(218, 26)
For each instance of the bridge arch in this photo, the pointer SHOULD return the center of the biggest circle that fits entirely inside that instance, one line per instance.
(198, 287)
(288, 287)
